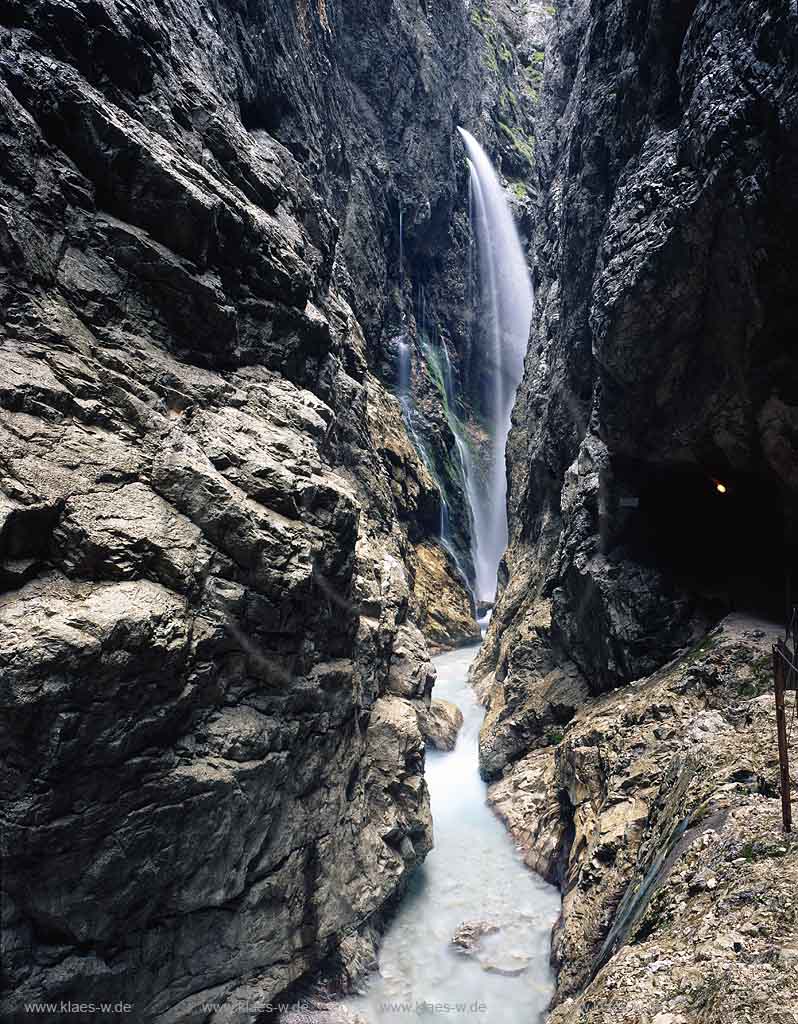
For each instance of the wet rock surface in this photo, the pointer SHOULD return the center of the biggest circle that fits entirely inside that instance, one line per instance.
(497, 948)
(444, 611)
(660, 354)
(215, 534)
(440, 723)
(659, 382)
(198, 756)
(470, 934)
(532, 698)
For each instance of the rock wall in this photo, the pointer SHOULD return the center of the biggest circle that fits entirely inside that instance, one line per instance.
(661, 366)
(653, 492)
(436, 299)
(658, 813)
(217, 542)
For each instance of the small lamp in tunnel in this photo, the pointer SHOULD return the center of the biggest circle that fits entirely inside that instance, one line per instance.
(720, 487)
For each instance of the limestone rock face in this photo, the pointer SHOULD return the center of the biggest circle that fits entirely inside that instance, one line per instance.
(211, 613)
(651, 493)
(660, 363)
(659, 815)
(410, 674)
(531, 698)
(440, 723)
(526, 799)
(194, 758)
(443, 609)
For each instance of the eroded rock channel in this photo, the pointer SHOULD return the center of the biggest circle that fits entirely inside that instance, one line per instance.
(473, 931)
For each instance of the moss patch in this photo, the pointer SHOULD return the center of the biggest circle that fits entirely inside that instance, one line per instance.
(524, 145)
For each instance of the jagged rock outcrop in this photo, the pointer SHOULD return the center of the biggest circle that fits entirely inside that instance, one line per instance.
(652, 491)
(214, 532)
(442, 609)
(440, 723)
(203, 788)
(659, 815)
(520, 716)
(660, 365)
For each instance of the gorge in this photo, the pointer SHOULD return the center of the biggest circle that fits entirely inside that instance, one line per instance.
(282, 418)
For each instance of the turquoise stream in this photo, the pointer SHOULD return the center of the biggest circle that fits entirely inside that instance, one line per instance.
(473, 874)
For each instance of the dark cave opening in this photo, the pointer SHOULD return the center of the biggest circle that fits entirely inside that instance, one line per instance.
(724, 537)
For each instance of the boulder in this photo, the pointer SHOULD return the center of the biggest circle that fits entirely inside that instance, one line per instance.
(411, 673)
(468, 936)
(440, 723)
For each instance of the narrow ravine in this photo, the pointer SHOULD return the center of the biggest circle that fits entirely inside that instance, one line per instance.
(472, 936)
(474, 874)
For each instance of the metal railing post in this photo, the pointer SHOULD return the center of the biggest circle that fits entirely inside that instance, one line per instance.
(780, 663)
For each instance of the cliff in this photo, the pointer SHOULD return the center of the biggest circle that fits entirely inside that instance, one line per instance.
(658, 814)
(652, 461)
(218, 545)
(652, 496)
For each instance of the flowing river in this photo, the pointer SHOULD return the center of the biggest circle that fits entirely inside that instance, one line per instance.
(474, 874)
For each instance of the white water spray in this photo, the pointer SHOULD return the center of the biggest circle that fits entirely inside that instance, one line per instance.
(507, 301)
(403, 361)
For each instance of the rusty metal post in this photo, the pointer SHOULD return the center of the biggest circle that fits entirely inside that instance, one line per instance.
(779, 670)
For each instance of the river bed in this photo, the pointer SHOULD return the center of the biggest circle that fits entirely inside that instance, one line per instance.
(473, 874)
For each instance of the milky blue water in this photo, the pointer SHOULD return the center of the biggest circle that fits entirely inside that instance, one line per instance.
(474, 873)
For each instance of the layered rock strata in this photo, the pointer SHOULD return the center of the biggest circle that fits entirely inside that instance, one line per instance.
(217, 542)
(658, 813)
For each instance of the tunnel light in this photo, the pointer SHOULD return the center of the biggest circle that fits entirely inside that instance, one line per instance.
(719, 487)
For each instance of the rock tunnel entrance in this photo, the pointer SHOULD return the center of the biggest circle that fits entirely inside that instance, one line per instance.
(726, 538)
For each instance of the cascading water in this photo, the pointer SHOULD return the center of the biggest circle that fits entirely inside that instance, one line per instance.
(404, 372)
(507, 312)
(456, 428)
(507, 301)
(403, 369)
(490, 293)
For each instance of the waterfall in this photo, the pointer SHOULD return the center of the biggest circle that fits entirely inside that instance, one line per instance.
(490, 293)
(471, 304)
(448, 377)
(447, 543)
(456, 429)
(507, 306)
(403, 370)
(404, 365)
